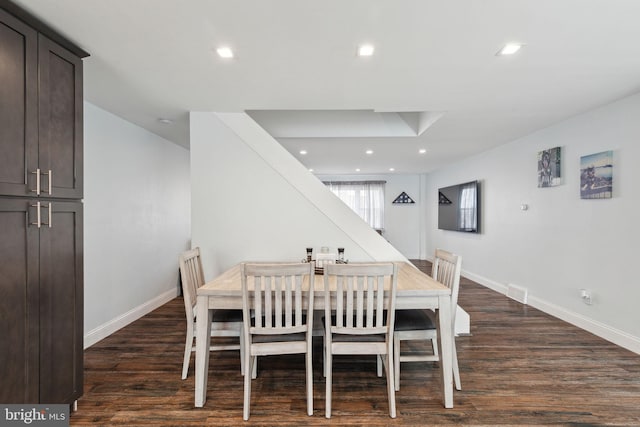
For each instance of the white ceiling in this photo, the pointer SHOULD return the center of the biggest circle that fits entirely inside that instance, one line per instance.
(155, 59)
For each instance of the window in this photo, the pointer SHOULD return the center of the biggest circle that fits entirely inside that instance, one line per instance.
(366, 198)
(467, 220)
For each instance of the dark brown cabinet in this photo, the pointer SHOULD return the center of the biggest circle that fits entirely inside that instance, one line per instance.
(41, 252)
(59, 121)
(18, 105)
(40, 114)
(41, 301)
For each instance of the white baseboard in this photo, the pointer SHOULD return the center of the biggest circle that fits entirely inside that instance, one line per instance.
(106, 329)
(616, 336)
(495, 286)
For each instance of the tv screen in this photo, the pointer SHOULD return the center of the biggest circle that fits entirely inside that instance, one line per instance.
(459, 207)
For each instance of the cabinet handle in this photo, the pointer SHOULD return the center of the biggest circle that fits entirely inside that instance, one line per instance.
(50, 224)
(50, 175)
(37, 174)
(38, 222)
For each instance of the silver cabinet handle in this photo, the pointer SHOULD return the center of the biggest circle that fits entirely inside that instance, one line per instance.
(50, 175)
(38, 222)
(37, 174)
(49, 206)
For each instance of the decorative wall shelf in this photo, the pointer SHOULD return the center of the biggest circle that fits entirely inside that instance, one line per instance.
(403, 199)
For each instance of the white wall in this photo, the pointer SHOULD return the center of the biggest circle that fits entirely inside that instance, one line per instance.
(136, 221)
(252, 200)
(402, 223)
(562, 243)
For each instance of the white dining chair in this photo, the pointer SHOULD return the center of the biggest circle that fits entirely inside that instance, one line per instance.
(225, 323)
(422, 324)
(362, 322)
(276, 319)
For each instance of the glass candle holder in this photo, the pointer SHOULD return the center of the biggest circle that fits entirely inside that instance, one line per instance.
(341, 254)
(309, 254)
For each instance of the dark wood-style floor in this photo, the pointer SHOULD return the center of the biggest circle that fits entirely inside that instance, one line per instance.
(519, 367)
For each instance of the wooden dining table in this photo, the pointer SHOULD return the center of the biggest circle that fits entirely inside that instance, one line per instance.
(415, 290)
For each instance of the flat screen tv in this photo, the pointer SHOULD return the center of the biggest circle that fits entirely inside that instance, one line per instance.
(459, 207)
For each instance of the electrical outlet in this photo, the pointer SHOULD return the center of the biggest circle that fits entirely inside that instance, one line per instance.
(585, 294)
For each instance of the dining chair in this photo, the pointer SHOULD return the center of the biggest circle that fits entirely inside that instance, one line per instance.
(225, 323)
(422, 324)
(362, 322)
(276, 319)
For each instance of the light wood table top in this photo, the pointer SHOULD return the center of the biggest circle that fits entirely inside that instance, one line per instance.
(414, 289)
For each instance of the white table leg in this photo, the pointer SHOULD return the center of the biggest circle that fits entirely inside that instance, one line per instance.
(203, 334)
(446, 348)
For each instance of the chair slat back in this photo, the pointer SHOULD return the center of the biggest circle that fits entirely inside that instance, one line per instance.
(274, 292)
(446, 270)
(192, 278)
(359, 297)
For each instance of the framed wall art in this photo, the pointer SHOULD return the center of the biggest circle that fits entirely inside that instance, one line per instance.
(549, 171)
(596, 176)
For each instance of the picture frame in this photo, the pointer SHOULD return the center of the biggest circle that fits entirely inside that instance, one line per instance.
(549, 167)
(596, 175)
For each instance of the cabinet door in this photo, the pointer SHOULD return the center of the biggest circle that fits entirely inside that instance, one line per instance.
(60, 120)
(18, 107)
(19, 361)
(61, 302)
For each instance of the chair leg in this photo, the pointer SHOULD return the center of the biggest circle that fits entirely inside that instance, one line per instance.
(396, 360)
(242, 350)
(329, 373)
(391, 389)
(254, 367)
(309, 366)
(247, 387)
(434, 345)
(324, 355)
(188, 348)
(379, 365)
(456, 371)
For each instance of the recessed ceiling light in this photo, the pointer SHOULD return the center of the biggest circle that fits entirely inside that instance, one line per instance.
(365, 50)
(369, 151)
(357, 169)
(165, 121)
(303, 152)
(509, 49)
(422, 150)
(391, 169)
(225, 52)
(310, 170)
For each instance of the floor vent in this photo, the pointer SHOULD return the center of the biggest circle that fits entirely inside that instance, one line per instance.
(517, 293)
